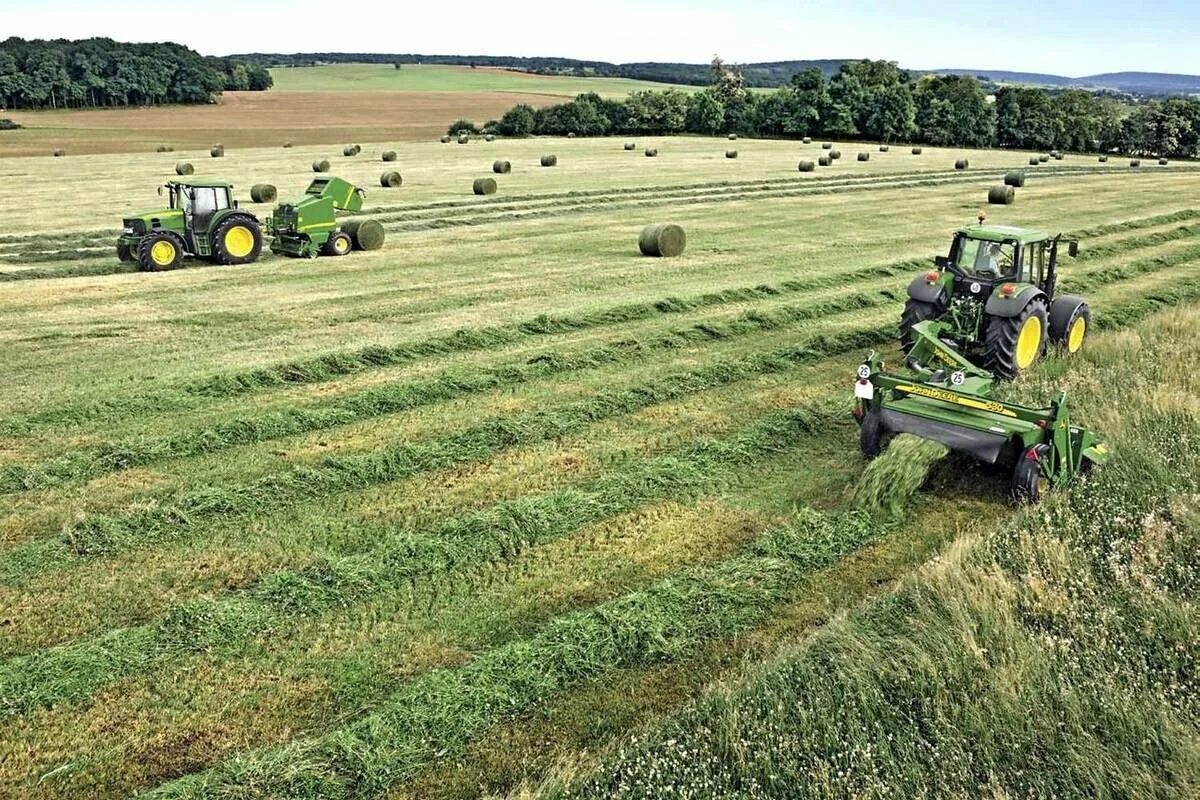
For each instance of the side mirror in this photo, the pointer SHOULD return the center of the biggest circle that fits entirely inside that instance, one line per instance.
(160, 190)
(941, 262)
(1073, 249)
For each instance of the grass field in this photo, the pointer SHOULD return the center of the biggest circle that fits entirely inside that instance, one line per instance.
(505, 509)
(434, 78)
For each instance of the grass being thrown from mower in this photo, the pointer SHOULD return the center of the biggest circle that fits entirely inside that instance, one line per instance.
(890, 481)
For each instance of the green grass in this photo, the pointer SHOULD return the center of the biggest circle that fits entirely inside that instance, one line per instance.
(432, 78)
(459, 515)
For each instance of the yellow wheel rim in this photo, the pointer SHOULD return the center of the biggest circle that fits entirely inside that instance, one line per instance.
(239, 241)
(1075, 337)
(162, 253)
(1029, 342)
(341, 245)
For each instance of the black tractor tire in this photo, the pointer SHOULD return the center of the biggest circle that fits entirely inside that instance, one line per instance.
(871, 434)
(124, 253)
(916, 311)
(1028, 483)
(1002, 338)
(1070, 326)
(339, 243)
(230, 244)
(152, 256)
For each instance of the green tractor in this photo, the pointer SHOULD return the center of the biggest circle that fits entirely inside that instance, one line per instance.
(202, 220)
(995, 293)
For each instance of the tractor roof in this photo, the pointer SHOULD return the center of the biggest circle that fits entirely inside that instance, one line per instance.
(203, 184)
(1004, 233)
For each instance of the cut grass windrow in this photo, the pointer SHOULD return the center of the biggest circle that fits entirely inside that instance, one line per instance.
(157, 522)
(438, 557)
(348, 362)
(82, 465)
(442, 710)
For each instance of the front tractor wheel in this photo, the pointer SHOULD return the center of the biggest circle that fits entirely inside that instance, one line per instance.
(124, 253)
(1013, 344)
(338, 244)
(915, 311)
(237, 240)
(160, 251)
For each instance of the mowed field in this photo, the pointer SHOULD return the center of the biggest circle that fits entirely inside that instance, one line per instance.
(309, 105)
(461, 516)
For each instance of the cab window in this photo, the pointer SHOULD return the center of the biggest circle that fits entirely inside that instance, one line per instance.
(985, 259)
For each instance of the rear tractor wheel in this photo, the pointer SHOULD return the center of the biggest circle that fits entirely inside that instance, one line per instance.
(1013, 344)
(915, 311)
(160, 251)
(237, 240)
(338, 244)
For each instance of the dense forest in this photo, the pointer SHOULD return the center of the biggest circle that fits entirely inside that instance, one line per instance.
(878, 101)
(38, 74)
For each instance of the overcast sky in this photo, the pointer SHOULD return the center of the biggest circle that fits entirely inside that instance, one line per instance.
(1067, 38)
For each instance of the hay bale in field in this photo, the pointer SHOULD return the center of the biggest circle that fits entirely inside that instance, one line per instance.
(733, 137)
(58, 153)
(366, 234)
(962, 163)
(321, 165)
(389, 155)
(651, 152)
(883, 148)
(807, 140)
(1033, 161)
(463, 138)
(731, 153)
(550, 161)
(164, 148)
(1162, 162)
(631, 146)
(217, 151)
(826, 145)
(1103, 159)
(1015, 178)
(391, 180)
(825, 161)
(484, 186)
(864, 156)
(808, 166)
(263, 193)
(1058, 156)
(662, 240)
(916, 151)
(1042, 159)
(571, 134)
(445, 140)
(1135, 162)
(1002, 195)
(835, 154)
(501, 167)
(184, 168)
(491, 137)
(286, 145)
(351, 150)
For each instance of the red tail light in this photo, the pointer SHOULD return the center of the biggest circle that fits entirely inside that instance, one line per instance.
(1008, 289)
(932, 276)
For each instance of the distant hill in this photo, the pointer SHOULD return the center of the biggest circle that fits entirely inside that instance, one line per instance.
(761, 74)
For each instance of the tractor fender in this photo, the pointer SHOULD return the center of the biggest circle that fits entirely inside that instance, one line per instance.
(998, 306)
(225, 213)
(1061, 311)
(923, 291)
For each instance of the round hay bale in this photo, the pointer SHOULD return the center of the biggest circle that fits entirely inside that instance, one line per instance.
(1162, 162)
(391, 180)
(287, 145)
(651, 152)
(1033, 161)
(367, 234)
(321, 165)
(883, 148)
(631, 146)
(1015, 178)
(807, 140)
(731, 153)
(463, 139)
(1103, 159)
(501, 167)
(733, 137)
(263, 193)
(1002, 195)
(184, 168)
(445, 140)
(217, 151)
(826, 145)
(351, 150)
(835, 154)
(825, 161)
(484, 186)
(1058, 156)
(550, 161)
(1135, 162)
(1042, 159)
(808, 166)
(164, 148)
(389, 155)
(916, 151)
(491, 137)
(662, 240)
(58, 153)
(571, 134)
(962, 163)
(864, 156)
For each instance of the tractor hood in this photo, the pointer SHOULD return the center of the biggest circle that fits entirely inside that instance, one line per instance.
(141, 223)
(161, 214)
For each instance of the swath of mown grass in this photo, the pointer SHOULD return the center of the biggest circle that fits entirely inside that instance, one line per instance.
(890, 481)
(85, 464)
(402, 556)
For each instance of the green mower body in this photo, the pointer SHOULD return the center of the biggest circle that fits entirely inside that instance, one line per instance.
(308, 227)
(996, 293)
(202, 220)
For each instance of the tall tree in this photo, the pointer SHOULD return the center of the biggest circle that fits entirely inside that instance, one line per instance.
(953, 110)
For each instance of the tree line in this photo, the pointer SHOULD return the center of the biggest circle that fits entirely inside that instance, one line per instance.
(878, 101)
(92, 73)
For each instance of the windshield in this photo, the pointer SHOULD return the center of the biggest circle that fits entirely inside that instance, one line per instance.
(985, 259)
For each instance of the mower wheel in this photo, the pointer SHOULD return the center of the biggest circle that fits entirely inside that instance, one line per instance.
(1070, 323)
(1013, 344)
(160, 251)
(915, 311)
(123, 252)
(237, 240)
(1028, 482)
(339, 243)
(871, 434)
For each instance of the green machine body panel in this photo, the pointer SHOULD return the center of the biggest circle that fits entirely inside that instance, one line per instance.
(301, 228)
